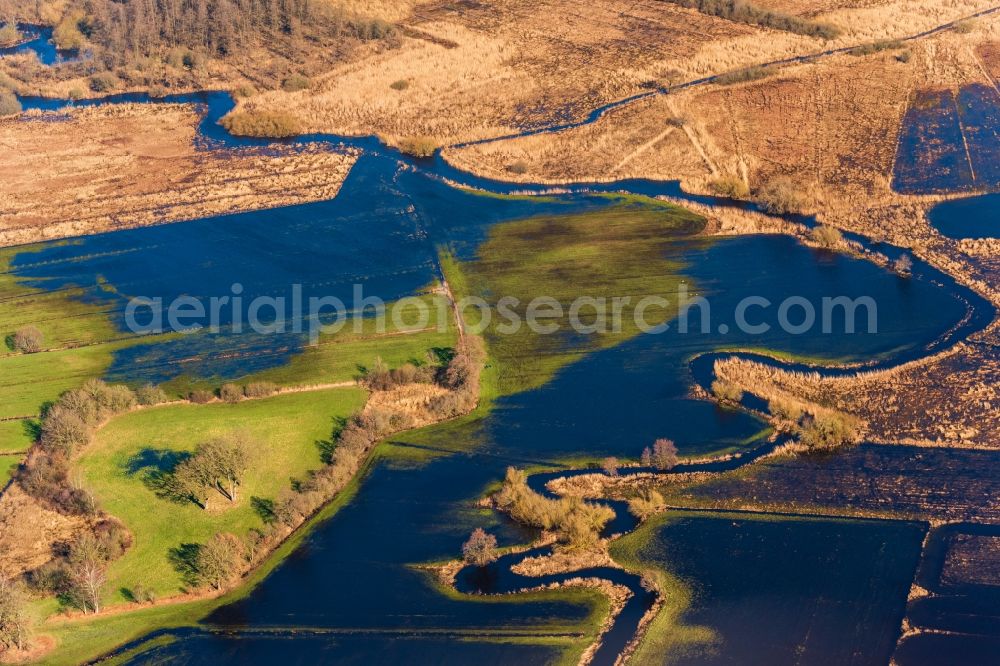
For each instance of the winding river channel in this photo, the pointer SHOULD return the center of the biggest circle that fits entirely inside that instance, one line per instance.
(353, 592)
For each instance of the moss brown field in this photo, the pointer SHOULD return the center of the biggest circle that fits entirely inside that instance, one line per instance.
(262, 488)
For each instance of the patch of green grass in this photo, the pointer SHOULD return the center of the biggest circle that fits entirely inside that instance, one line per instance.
(597, 604)
(8, 464)
(666, 633)
(620, 252)
(115, 466)
(17, 435)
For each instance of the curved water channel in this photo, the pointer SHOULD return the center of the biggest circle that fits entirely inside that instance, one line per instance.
(351, 592)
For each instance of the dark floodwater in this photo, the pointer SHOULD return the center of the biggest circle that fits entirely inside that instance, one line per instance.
(788, 591)
(350, 586)
(974, 217)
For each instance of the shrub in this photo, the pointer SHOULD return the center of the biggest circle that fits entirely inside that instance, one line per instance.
(260, 389)
(480, 549)
(730, 186)
(903, 265)
(103, 82)
(743, 75)
(726, 391)
(244, 91)
(780, 196)
(158, 91)
(785, 409)
(519, 167)
(295, 83)
(231, 393)
(401, 84)
(273, 124)
(9, 104)
(200, 397)
(827, 431)
(904, 57)
(965, 27)
(646, 504)
(27, 339)
(67, 34)
(151, 395)
(419, 146)
(64, 431)
(9, 34)
(676, 121)
(876, 47)
(76, 93)
(8, 83)
(826, 236)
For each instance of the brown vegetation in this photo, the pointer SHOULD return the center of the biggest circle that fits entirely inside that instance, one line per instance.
(127, 166)
(269, 124)
(577, 523)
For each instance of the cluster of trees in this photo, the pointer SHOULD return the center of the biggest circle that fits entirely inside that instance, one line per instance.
(577, 523)
(124, 30)
(365, 428)
(15, 622)
(381, 378)
(741, 11)
(78, 573)
(818, 430)
(253, 390)
(220, 561)
(217, 465)
(67, 426)
(663, 455)
(461, 377)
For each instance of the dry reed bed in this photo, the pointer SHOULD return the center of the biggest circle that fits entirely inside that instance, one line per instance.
(134, 165)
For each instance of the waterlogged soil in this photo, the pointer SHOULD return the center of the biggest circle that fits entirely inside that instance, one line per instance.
(417, 504)
(948, 141)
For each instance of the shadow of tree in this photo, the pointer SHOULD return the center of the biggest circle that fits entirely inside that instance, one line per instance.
(32, 428)
(264, 508)
(184, 559)
(157, 469)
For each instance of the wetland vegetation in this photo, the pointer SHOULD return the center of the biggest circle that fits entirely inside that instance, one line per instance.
(375, 492)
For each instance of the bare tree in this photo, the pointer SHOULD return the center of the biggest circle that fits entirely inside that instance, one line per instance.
(480, 549)
(664, 453)
(647, 457)
(28, 340)
(191, 479)
(15, 623)
(220, 560)
(88, 571)
(227, 460)
(610, 466)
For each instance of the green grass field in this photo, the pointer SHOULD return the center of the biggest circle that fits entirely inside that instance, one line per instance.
(8, 463)
(622, 251)
(289, 428)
